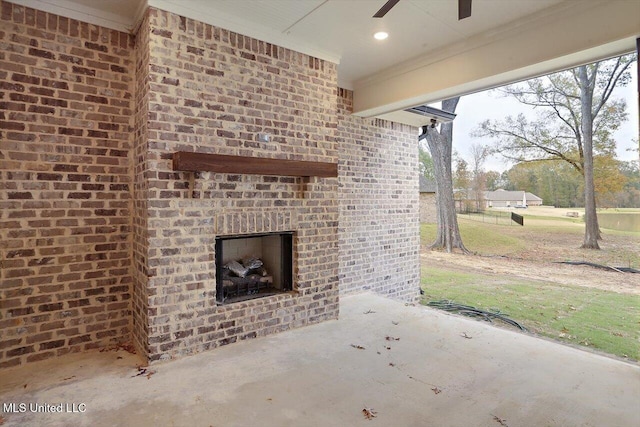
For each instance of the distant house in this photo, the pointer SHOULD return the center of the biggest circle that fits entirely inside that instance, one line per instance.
(510, 199)
(427, 200)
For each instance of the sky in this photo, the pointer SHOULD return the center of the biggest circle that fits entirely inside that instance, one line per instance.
(475, 108)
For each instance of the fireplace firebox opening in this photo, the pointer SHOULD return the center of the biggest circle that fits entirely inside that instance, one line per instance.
(253, 266)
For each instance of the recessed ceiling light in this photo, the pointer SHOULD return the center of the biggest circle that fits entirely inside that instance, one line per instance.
(381, 35)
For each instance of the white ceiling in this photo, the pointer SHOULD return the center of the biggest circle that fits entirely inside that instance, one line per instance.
(337, 30)
(343, 30)
(426, 40)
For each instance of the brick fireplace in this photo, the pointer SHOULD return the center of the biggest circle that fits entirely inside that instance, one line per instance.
(253, 266)
(211, 91)
(104, 240)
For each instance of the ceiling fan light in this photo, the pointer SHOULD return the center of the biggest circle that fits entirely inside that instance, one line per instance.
(380, 35)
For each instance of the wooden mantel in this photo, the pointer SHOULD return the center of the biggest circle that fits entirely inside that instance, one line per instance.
(203, 162)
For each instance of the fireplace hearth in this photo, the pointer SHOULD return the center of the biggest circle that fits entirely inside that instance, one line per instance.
(253, 266)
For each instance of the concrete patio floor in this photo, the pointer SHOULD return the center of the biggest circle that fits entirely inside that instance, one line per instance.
(425, 374)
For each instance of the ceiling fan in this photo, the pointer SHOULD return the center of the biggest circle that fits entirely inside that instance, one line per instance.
(464, 8)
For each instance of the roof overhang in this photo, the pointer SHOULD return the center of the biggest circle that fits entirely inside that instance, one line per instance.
(562, 35)
(566, 37)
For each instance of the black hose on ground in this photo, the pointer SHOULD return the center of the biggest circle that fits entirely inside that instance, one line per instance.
(467, 310)
(600, 266)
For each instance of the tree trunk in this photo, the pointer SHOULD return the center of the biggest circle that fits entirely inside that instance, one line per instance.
(440, 145)
(591, 229)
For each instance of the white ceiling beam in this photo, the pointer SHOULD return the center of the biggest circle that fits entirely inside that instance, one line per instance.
(577, 33)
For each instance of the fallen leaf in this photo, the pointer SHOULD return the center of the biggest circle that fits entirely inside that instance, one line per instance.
(369, 312)
(369, 413)
(1, 420)
(436, 390)
(464, 335)
(617, 334)
(392, 339)
(24, 386)
(500, 421)
(395, 323)
(359, 347)
(143, 370)
(387, 347)
(392, 364)
(68, 378)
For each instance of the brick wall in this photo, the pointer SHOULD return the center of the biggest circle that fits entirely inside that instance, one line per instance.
(102, 241)
(140, 171)
(379, 229)
(212, 91)
(65, 222)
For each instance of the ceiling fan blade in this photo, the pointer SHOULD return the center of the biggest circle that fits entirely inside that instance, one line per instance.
(386, 8)
(464, 9)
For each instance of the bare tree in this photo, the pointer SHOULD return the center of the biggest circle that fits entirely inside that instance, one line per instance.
(578, 117)
(462, 182)
(440, 145)
(479, 154)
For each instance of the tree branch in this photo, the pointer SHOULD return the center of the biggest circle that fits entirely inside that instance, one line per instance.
(533, 144)
(611, 84)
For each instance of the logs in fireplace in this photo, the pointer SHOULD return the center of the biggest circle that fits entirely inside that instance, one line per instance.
(253, 266)
(244, 278)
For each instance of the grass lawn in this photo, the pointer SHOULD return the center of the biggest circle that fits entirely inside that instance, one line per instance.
(545, 232)
(476, 238)
(607, 321)
(588, 316)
